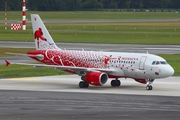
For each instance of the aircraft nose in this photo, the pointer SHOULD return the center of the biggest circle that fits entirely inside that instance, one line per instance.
(170, 71)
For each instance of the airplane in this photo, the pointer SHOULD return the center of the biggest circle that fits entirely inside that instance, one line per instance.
(95, 67)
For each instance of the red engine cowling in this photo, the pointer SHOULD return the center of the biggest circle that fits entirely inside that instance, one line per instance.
(143, 81)
(96, 78)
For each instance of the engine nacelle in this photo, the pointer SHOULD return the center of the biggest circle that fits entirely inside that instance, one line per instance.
(96, 78)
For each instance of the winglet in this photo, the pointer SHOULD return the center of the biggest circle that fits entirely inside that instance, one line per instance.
(7, 63)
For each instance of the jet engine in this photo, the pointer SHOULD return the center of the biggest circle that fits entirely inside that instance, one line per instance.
(96, 78)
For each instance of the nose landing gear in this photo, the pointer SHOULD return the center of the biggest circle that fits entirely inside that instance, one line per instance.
(149, 82)
(149, 87)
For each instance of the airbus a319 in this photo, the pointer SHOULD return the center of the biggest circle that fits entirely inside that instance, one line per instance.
(95, 68)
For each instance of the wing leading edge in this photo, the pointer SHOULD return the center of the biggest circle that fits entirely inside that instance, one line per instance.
(64, 67)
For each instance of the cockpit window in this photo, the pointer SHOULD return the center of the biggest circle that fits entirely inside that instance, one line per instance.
(153, 63)
(159, 62)
(163, 62)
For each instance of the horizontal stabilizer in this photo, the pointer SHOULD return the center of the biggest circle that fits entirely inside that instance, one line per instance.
(7, 63)
(20, 54)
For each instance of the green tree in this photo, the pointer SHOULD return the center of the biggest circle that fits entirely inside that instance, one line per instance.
(68, 5)
(128, 4)
(141, 5)
(113, 5)
(175, 4)
(91, 4)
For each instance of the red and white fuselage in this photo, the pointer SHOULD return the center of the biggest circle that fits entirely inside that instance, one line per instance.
(127, 65)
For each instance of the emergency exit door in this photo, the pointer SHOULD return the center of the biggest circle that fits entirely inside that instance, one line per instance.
(142, 62)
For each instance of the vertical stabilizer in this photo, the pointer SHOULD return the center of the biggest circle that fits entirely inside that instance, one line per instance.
(43, 39)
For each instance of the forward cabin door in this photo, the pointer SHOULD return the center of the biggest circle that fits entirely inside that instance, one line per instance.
(142, 62)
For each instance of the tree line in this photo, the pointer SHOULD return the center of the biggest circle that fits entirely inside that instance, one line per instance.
(76, 5)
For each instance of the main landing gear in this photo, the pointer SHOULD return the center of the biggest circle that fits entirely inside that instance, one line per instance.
(115, 83)
(83, 84)
(149, 82)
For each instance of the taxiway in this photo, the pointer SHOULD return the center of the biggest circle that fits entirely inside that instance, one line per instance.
(69, 83)
(59, 97)
(154, 49)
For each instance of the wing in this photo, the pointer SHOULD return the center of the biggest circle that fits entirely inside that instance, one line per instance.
(63, 67)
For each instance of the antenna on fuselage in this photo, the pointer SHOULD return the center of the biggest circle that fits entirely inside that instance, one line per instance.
(147, 52)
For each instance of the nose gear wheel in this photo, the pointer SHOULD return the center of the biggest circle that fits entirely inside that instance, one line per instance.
(149, 82)
(149, 87)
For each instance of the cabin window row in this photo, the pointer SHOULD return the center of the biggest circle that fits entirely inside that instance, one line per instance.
(118, 61)
(95, 60)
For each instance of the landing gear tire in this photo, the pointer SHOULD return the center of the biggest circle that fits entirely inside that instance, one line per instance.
(115, 83)
(149, 82)
(149, 87)
(118, 83)
(83, 84)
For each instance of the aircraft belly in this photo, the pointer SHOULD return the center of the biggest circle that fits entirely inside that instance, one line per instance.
(137, 74)
(118, 72)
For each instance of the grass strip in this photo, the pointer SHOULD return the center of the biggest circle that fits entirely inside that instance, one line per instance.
(27, 71)
(122, 33)
(69, 15)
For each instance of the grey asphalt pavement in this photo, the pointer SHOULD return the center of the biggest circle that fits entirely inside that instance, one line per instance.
(36, 105)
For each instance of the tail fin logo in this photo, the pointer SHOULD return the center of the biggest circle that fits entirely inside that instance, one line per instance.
(38, 35)
(42, 38)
